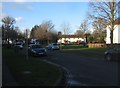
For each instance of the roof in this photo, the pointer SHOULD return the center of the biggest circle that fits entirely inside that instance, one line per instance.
(70, 36)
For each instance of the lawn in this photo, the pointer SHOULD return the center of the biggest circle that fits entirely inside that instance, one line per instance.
(72, 46)
(85, 51)
(31, 72)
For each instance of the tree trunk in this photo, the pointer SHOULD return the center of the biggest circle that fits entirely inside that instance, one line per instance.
(86, 39)
(48, 41)
(111, 37)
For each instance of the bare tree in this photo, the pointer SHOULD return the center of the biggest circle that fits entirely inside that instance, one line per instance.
(43, 31)
(65, 27)
(48, 26)
(32, 33)
(8, 27)
(107, 11)
(99, 32)
(8, 22)
(39, 33)
(83, 30)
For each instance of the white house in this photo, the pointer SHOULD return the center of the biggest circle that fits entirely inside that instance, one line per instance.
(70, 39)
(116, 33)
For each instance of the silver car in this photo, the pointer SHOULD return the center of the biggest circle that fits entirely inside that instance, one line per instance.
(53, 46)
(113, 54)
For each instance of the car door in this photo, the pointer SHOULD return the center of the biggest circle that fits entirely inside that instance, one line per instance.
(118, 53)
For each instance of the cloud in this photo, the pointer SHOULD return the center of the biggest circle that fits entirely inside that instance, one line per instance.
(22, 6)
(19, 19)
(20, 0)
(29, 8)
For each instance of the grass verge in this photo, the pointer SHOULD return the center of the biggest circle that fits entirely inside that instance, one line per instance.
(73, 46)
(85, 51)
(31, 72)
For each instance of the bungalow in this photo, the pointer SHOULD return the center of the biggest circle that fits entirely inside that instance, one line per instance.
(70, 39)
(116, 33)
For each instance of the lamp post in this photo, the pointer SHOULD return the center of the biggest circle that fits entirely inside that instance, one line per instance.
(26, 44)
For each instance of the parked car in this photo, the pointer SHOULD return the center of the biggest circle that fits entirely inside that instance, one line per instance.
(113, 54)
(29, 45)
(19, 45)
(53, 46)
(37, 50)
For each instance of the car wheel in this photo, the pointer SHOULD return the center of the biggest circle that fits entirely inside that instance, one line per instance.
(108, 57)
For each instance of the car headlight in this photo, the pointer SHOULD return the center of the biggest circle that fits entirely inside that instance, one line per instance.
(33, 51)
(45, 50)
(106, 52)
(53, 47)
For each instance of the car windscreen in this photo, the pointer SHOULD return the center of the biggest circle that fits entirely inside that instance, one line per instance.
(36, 46)
(55, 44)
(18, 44)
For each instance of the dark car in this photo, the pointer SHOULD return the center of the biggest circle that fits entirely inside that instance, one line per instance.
(113, 54)
(37, 50)
(19, 45)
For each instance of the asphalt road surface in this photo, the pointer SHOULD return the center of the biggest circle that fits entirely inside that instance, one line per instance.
(86, 71)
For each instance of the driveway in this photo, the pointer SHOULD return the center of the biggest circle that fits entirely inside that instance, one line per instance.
(86, 71)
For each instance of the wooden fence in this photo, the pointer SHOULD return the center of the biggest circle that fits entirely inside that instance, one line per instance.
(97, 45)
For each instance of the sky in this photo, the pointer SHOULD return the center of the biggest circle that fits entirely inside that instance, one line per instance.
(28, 14)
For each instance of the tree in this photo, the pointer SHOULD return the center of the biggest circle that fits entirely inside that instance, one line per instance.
(99, 32)
(80, 33)
(49, 26)
(43, 32)
(8, 22)
(59, 34)
(98, 36)
(83, 30)
(18, 34)
(107, 11)
(65, 27)
(32, 33)
(7, 27)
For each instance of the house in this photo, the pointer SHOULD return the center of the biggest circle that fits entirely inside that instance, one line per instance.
(116, 33)
(70, 39)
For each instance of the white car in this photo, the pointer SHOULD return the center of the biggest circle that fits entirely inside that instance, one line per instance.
(53, 46)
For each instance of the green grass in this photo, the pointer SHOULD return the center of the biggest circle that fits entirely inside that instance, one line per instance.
(84, 51)
(42, 74)
(73, 46)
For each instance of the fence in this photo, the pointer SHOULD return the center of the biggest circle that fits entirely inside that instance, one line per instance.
(97, 45)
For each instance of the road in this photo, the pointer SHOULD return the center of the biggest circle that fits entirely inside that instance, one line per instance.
(86, 71)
